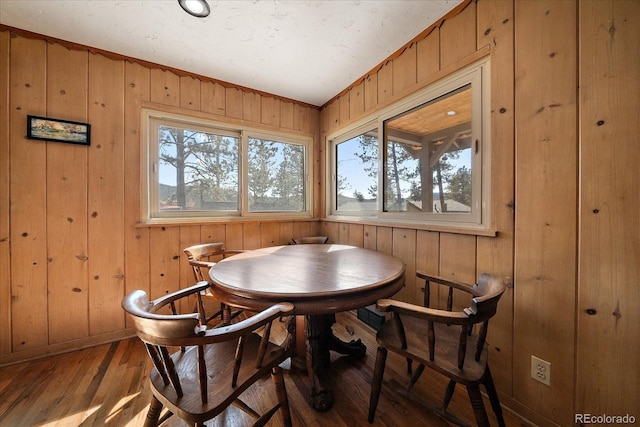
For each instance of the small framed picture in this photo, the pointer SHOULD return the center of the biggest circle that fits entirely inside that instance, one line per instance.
(47, 129)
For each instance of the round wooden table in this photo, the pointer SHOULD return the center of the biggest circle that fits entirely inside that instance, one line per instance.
(320, 280)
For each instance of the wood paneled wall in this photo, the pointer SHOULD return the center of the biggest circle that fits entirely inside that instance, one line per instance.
(565, 96)
(608, 320)
(70, 243)
(564, 193)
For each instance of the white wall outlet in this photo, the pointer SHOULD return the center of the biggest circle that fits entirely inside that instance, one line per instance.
(541, 370)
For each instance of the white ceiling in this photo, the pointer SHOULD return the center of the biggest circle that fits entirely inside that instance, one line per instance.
(308, 51)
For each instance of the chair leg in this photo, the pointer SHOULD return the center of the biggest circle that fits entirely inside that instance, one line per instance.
(478, 407)
(448, 395)
(281, 393)
(153, 415)
(376, 382)
(493, 397)
(414, 377)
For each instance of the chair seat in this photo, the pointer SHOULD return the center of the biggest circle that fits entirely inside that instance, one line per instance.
(220, 364)
(446, 356)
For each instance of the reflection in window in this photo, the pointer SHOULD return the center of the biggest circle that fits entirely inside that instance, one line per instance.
(276, 176)
(357, 173)
(198, 171)
(428, 157)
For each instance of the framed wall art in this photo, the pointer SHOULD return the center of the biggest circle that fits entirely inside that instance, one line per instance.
(48, 129)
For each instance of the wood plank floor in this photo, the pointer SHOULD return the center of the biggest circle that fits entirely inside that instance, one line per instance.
(107, 386)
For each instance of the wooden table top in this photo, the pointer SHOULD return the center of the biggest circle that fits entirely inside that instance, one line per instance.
(317, 279)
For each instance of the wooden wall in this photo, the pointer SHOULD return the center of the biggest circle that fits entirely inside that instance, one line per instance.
(565, 98)
(70, 243)
(564, 197)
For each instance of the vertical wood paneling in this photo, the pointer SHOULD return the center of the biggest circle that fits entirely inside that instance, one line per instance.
(213, 98)
(301, 229)
(495, 254)
(458, 262)
(370, 92)
(306, 119)
(233, 104)
(356, 101)
(210, 233)
(404, 247)
(251, 107)
(106, 188)
(270, 111)
(269, 234)
(286, 233)
(136, 239)
(5, 273)
(331, 117)
(165, 87)
(343, 234)
(234, 236)
(384, 236)
(331, 230)
(287, 115)
(546, 188)
(68, 290)
(28, 196)
(428, 251)
(370, 237)
(385, 83)
(251, 235)
(405, 69)
(428, 55)
(190, 93)
(356, 235)
(164, 261)
(427, 260)
(608, 377)
(458, 36)
(345, 108)
(189, 235)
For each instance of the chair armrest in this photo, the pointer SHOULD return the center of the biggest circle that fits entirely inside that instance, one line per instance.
(164, 300)
(235, 330)
(231, 252)
(434, 315)
(204, 264)
(465, 287)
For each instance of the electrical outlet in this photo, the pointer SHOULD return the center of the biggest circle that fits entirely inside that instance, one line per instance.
(541, 370)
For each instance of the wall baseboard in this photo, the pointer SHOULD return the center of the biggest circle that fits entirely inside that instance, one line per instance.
(64, 347)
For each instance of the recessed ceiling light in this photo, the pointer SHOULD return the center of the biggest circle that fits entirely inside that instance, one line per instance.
(197, 8)
(451, 113)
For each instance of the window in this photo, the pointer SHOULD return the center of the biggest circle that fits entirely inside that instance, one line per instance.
(357, 172)
(194, 168)
(430, 159)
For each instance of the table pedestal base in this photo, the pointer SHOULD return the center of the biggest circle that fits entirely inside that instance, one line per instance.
(320, 340)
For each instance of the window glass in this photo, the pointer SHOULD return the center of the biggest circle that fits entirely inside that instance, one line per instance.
(357, 173)
(276, 176)
(428, 159)
(197, 170)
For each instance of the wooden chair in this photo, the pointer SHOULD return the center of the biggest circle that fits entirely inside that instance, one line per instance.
(310, 240)
(443, 340)
(201, 258)
(214, 367)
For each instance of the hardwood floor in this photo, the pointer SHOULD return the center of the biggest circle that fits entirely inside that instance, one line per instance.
(107, 386)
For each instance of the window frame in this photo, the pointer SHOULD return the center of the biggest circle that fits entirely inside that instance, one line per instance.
(478, 76)
(152, 118)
